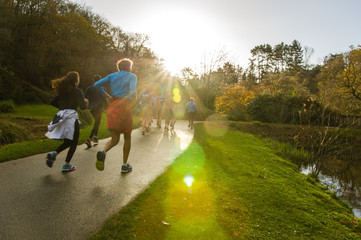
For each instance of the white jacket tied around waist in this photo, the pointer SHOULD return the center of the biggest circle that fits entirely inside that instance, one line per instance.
(64, 128)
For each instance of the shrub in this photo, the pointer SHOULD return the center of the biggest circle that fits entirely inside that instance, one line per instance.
(233, 103)
(7, 106)
(11, 132)
(85, 118)
(276, 108)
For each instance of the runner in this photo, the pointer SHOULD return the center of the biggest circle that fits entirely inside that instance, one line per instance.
(170, 118)
(191, 110)
(119, 113)
(159, 110)
(96, 105)
(65, 124)
(145, 104)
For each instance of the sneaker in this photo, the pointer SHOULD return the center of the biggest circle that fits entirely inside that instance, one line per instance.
(50, 158)
(88, 143)
(126, 168)
(95, 141)
(99, 164)
(68, 168)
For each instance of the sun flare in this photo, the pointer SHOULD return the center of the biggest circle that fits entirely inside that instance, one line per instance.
(177, 34)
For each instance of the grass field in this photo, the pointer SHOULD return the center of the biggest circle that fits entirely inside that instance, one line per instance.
(233, 186)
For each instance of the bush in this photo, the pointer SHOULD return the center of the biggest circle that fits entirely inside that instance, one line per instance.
(11, 132)
(233, 103)
(85, 118)
(277, 108)
(7, 106)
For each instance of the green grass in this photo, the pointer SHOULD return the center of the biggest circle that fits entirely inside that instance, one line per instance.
(36, 146)
(242, 189)
(35, 110)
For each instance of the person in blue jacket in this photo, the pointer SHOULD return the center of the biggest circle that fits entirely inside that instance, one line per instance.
(120, 110)
(191, 109)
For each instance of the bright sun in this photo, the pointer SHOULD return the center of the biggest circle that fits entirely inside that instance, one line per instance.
(180, 36)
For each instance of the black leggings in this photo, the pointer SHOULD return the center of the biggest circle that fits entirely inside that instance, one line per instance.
(71, 144)
(97, 115)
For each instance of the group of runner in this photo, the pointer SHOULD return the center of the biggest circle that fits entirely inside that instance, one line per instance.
(122, 97)
(159, 107)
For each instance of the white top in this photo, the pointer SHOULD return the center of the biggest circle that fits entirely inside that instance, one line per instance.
(65, 127)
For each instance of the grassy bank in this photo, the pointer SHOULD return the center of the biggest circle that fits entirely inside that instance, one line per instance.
(31, 121)
(241, 190)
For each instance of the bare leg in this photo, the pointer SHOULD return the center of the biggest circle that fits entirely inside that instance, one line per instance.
(113, 141)
(126, 147)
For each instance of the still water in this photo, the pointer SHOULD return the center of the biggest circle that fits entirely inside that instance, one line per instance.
(342, 177)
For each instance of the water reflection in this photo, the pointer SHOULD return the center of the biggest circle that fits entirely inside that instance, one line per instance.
(342, 177)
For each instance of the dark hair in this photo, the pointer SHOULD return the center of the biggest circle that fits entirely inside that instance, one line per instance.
(124, 64)
(64, 84)
(96, 77)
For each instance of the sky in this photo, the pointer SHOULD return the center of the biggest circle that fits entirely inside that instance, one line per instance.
(183, 32)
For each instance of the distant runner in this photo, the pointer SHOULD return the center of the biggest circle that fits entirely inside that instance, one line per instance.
(159, 108)
(170, 118)
(191, 109)
(145, 103)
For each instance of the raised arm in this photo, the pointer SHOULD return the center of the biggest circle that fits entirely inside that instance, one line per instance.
(102, 82)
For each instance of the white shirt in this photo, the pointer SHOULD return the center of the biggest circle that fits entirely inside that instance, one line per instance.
(65, 127)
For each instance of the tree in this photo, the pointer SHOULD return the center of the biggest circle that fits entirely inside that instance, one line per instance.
(233, 103)
(43, 39)
(283, 83)
(340, 82)
(295, 57)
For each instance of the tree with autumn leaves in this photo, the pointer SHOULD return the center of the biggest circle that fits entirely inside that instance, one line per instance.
(233, 103)
(340, 82)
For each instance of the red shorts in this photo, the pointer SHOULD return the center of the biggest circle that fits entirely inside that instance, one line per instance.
(120, 115)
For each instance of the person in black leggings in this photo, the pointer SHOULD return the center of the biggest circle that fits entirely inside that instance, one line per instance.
(65, 124)
(96, 105)
(71, 144)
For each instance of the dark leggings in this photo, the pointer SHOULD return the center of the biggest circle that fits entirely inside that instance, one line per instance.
(71, 144)
(97, 115)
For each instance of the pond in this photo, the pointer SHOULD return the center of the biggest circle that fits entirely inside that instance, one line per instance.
(342, 177)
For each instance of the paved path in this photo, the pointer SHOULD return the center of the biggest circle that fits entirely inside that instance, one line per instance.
(38, 202)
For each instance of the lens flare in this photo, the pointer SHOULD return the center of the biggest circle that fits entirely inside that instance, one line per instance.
(188, 180)
(176, 91)
(176, 95)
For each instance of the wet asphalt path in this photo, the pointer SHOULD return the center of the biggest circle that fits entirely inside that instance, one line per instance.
(38, 202)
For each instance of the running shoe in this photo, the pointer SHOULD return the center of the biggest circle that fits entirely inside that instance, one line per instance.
(68, 168)
(126, 168)
(88, 143)
(99, 164)
(50, 158)
(95, 141)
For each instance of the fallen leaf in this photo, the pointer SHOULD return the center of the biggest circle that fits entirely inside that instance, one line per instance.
(165, 223)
